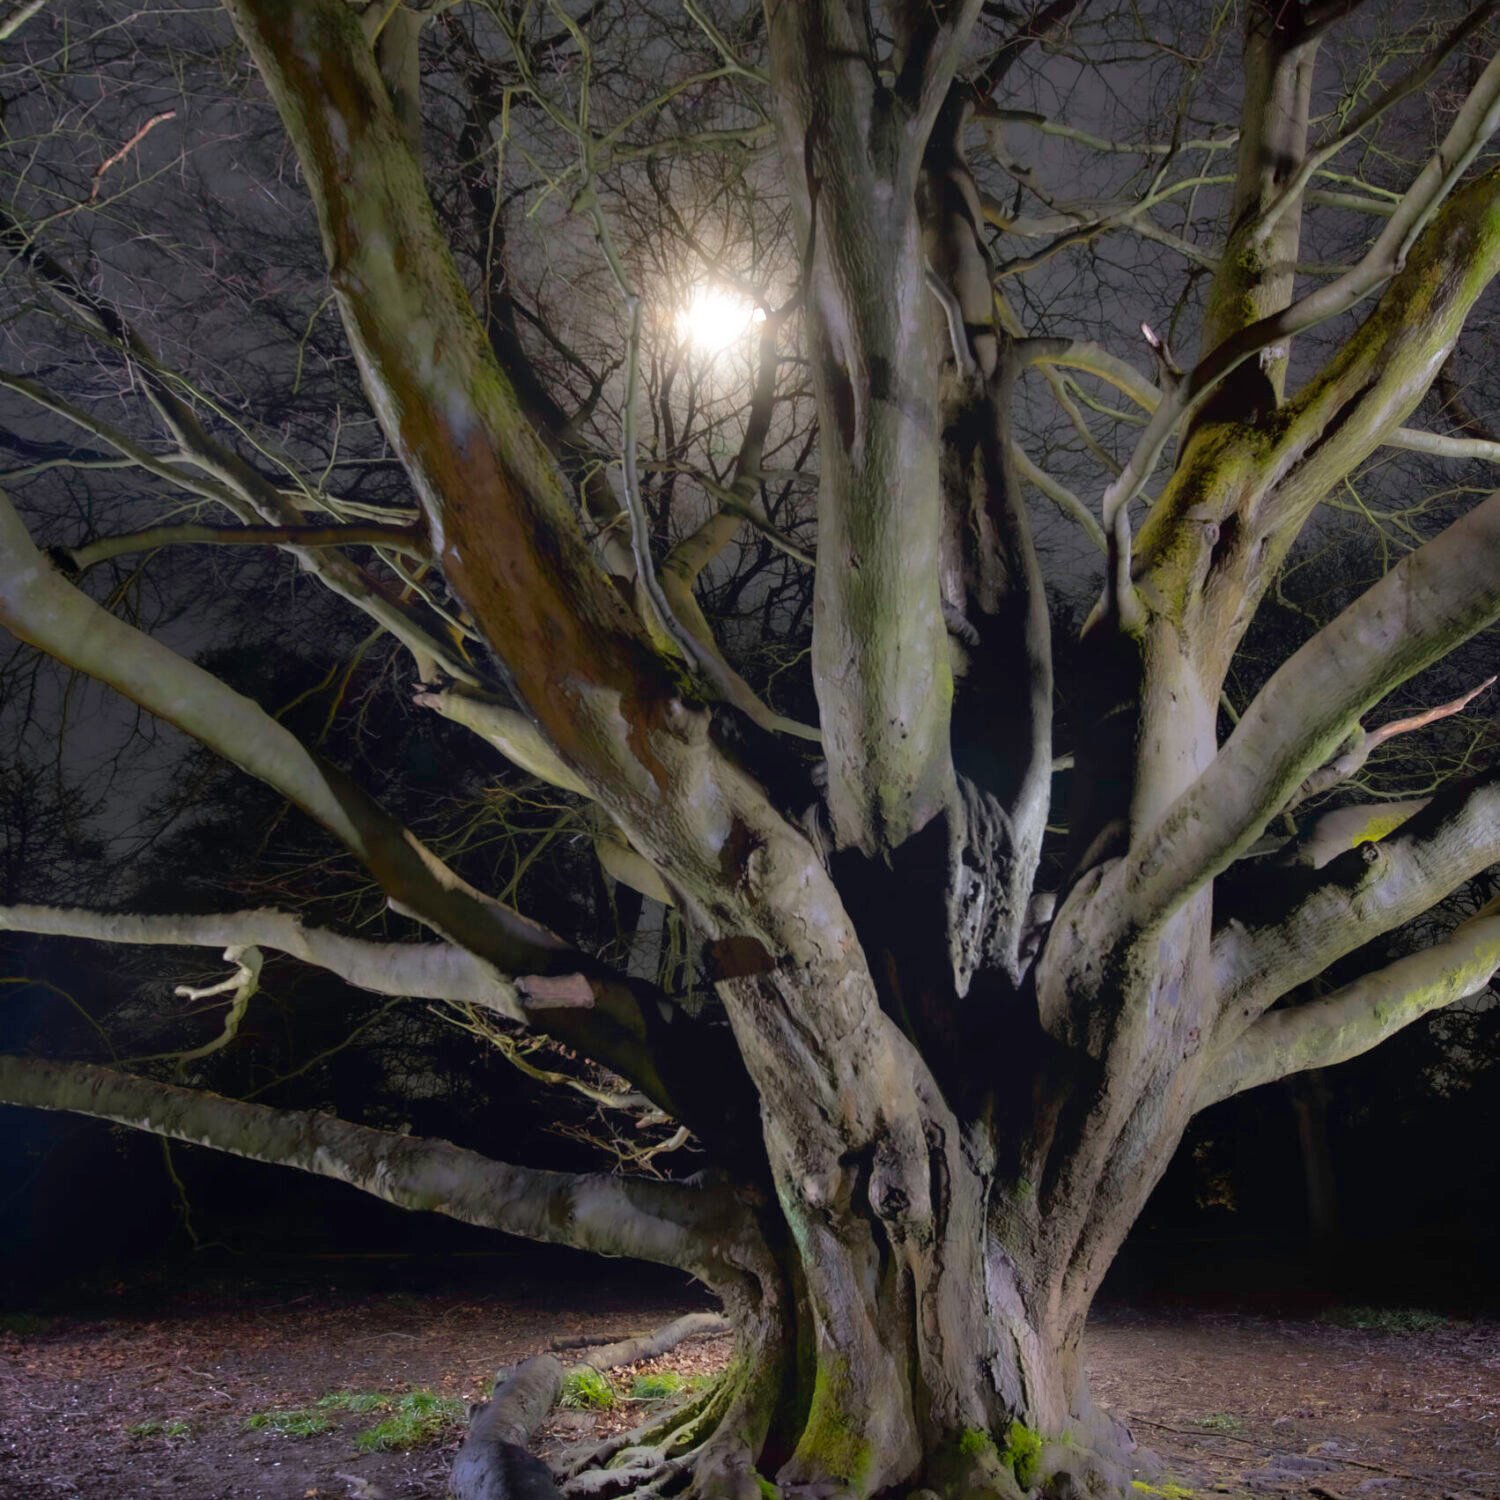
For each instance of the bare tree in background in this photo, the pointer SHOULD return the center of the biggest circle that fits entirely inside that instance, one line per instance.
(971, 977)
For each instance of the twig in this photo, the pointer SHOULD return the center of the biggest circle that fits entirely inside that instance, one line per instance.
(127, 148)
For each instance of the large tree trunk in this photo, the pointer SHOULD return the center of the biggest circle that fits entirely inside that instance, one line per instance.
(942, 1355)
(925, 1332)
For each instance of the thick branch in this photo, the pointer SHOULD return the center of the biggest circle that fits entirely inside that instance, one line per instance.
(1306, 919)
(510, 731)
(1361, 1015)
(690, 1071)
(880, 650)
(659, 1221)
(1255, 274)
(1334, 833)
(1444, 445)
(506, 537)
(1247, 484)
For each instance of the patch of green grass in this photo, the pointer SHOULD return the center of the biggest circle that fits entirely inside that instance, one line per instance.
(1387, 1319)
(416, 1420)
(362, 1402)
(587, 1389)
(1162, 1492)
(657, 1386)
(1219, 1421)
(300, 1422)
(176, 1428)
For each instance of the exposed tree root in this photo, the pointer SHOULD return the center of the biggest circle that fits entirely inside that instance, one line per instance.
(495, 1462)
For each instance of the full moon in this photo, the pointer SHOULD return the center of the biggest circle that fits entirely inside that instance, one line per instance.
(715, 319)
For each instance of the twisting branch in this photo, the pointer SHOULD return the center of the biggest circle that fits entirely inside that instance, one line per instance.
(1362, 1014)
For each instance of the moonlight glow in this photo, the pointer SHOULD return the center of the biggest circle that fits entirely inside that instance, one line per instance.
(715, 319)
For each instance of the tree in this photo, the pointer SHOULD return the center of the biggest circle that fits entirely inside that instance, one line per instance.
(950, 1049)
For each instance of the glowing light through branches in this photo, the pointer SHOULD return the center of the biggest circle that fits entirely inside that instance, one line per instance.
(716, 319)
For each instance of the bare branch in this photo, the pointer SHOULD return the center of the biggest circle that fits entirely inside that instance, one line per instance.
(224, 476)
(1094, 359)
(694, 1076)
(17, 16)
(509, 730)
(687, 560)
(1361, 744)
(651, 1220)
(433, 971)
(1060, 495)
(1410, 83)
(117, 157)
(1433, 599)
(1443, 445)
(40, 608)
(1306, 919)
(407, 539)
(1474, 125)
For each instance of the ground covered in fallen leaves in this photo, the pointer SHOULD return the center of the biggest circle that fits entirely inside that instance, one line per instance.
(322, 1382)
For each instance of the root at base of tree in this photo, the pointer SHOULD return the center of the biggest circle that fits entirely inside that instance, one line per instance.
(495, 1462)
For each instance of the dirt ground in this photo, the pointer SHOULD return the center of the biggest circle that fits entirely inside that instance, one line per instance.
(148, 1393)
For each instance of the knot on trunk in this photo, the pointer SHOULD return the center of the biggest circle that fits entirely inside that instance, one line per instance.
(900, 1190)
